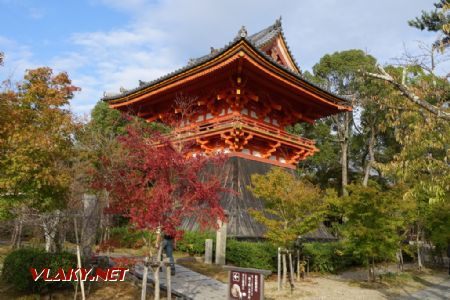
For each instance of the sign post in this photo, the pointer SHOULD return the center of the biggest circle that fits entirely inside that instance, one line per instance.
(246, 283)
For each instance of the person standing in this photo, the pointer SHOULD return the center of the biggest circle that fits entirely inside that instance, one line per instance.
(168, 245)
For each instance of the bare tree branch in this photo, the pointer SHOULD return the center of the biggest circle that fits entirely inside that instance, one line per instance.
(409, 94)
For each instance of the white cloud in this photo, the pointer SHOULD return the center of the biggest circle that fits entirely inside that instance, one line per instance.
(35, 13)
(106, 61)
(117, 38)
(18, 58)
(162, 35)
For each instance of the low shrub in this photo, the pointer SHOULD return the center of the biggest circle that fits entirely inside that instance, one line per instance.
(193, 242)
(126, 237)
(329, 257)
(259, 255)
(16, 269)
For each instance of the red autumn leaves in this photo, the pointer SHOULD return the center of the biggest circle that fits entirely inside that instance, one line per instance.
(158, 184)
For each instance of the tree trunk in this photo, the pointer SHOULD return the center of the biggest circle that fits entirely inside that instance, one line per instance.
(156, 270)
(78, 252)
(60, 237)
(399, 256)
(144, 279)
(49, 236)
(371, 160)
(419, 250)
(373, 269)
(371, 266)
(291, 269)
(49, 224)
(343, 128)
(90, 225)
(105, 225)
(169, 282)
(279, 269)
(284, 280)
(17, 232)
(105, 220)
(157, 283)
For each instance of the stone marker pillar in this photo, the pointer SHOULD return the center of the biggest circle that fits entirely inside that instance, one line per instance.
(208, 251)
(221, 242)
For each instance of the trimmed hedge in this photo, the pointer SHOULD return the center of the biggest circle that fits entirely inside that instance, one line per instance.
(259, 255)
(324, 257)
(16, 269)
(193, 242)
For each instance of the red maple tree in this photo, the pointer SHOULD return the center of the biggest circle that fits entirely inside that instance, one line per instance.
(158, 184)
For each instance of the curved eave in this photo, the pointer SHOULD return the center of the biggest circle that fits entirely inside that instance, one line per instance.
(295, 80)
(226, 56)
(288, 50)
(276, 28)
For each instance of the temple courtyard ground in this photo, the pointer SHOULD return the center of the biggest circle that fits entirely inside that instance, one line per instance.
(335, 287)
(352, 284)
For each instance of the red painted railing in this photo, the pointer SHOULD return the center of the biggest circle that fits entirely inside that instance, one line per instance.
(237, 121)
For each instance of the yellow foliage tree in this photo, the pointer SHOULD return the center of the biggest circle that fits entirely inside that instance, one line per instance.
(293, 207)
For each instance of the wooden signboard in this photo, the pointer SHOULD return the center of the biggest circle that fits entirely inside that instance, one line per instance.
(246, 283)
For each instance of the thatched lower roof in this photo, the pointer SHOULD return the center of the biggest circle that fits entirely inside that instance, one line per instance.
(237, 176)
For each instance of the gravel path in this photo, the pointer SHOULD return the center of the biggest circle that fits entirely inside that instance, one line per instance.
(427, 287)
(439, 291)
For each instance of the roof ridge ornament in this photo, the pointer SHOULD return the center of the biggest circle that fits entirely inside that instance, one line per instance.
(191, 61)
(242, 32)
(213, 50)
(278, 23)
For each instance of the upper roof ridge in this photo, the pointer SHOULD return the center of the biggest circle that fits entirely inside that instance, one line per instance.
(256, 40)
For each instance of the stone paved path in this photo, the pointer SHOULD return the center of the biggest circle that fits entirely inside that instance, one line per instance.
(188, 284)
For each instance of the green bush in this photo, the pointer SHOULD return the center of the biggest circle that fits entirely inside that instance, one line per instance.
(259, 255)
(193, 242)
(16, 269)
(329, 257)
(324, 257)
(126, 237)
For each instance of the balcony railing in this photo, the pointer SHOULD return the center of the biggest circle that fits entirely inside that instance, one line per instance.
(210, 126)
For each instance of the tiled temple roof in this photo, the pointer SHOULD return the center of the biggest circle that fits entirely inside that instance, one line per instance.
(257, 41)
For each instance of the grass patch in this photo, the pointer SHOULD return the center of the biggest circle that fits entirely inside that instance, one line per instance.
(396, 279)
(210, 270)
(386, 281)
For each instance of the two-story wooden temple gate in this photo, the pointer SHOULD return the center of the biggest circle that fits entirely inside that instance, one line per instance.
(246, 93)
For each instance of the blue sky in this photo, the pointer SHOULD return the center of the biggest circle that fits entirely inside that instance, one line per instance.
(106, 44)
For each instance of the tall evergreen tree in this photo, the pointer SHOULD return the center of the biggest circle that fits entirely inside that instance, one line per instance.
(437, 20)
(340, 72)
